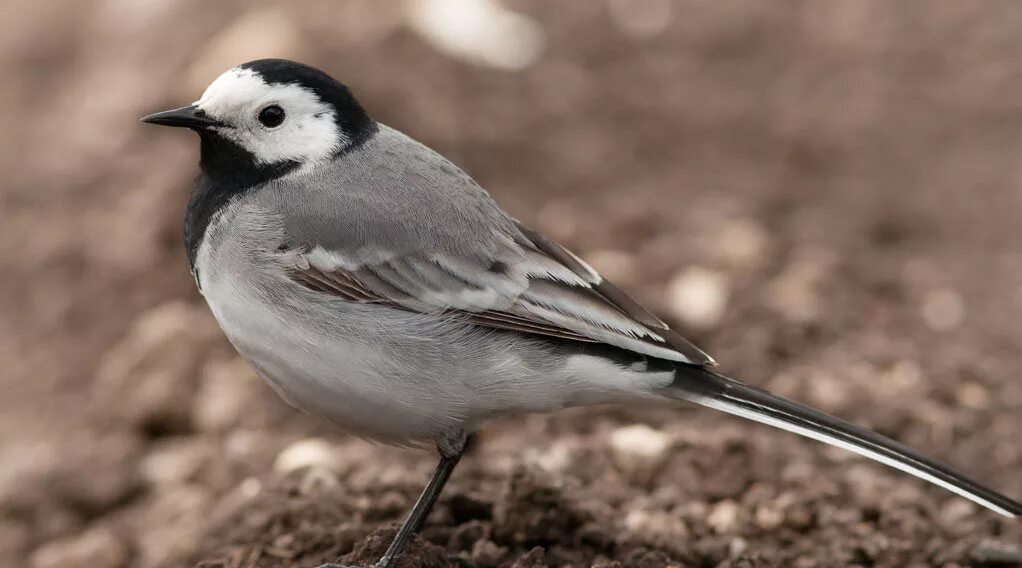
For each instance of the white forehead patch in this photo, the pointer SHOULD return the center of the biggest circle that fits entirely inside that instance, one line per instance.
(308, 134)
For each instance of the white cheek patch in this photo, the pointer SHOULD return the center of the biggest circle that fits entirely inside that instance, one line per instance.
(308, 134)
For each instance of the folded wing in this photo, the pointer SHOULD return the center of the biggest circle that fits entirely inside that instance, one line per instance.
(527, 283)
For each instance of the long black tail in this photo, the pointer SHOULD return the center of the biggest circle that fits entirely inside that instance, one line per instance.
(708, 388)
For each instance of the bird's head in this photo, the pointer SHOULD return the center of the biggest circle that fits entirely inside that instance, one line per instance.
(271, 116)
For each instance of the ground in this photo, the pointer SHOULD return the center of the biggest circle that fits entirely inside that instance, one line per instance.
(825, 196)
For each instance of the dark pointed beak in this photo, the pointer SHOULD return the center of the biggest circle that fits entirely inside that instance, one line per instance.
(188, 117)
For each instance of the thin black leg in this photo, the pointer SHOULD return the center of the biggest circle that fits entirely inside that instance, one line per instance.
(417, 517)
(449, 458)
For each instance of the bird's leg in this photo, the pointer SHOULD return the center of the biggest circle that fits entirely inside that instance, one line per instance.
(451, 450)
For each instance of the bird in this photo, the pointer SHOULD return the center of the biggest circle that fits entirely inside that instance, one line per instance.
(375, 285)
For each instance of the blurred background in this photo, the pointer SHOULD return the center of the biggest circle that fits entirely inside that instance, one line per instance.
(826, 196)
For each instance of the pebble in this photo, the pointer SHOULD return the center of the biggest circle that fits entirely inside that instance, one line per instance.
(646, 524)
(639, 451)
(698, 296)
(769, 516)
(973, 395)
(176, 462)
(487, 554)
(741, 243)
(723, 517)
(317, 479)
(149, 377)
(227, 390)
(94, 548)
(482, 32)
(310, 452)
(795, 292)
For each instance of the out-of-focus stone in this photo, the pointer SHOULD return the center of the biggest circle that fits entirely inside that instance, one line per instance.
(650, 526)
(149, 378)
(558, 458)
(482, 32)
(91, 476)
(955, 511)
(741, 243)
(639, 451)
(227, 390)
(177, 461)
(724, 517)
(95, 548)
(698, 296)
(317, 479)
(769, 516)
(310, 452)
(827, 391)
(973, 395)
(487, 554)
(535, 558)
(795, 293)
(173, 523)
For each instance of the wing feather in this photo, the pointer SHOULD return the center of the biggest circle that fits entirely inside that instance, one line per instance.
(529, 284)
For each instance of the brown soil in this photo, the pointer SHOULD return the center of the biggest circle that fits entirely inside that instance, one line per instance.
(850, 174)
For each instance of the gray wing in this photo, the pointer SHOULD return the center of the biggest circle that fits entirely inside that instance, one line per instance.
(420, 234)
(530, 285)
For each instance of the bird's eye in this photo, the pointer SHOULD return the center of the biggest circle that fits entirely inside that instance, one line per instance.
(271, 116)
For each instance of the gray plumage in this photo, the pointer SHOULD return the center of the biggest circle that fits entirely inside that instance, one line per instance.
(374, 284)
(406, 363)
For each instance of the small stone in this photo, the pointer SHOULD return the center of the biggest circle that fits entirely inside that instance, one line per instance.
(227, 390)
(95, 548)
(317, 479)
(149, 377)
(973, 395)
(955, 511)
(723, 517)
(482, 32)
(769, 516)
(555, 459)
(651, 525)
(173, 522)
(639, 451)
(176, 461)
(943, 309)
(741, 243)
(795, 292)
(698, 296)
(535, 558)
(737, 546)
(310, 452)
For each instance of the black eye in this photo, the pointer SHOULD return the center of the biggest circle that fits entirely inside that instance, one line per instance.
(271, 116)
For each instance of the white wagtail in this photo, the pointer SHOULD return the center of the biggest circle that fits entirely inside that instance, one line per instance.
(374, 284)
